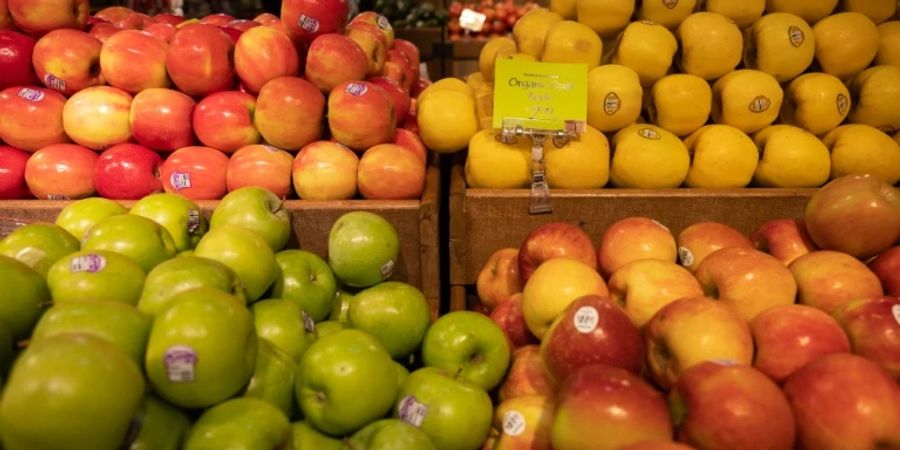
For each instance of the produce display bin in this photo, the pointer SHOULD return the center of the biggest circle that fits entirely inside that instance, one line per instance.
(485, 220)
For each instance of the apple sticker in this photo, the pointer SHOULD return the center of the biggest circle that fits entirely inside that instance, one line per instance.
(895, 310)
(180, 361)
(412, 411)
(513, 423)
(87, 263)
(586, 319)
(685, 256)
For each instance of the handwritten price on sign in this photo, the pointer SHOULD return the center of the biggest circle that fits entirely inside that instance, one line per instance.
(541, 96)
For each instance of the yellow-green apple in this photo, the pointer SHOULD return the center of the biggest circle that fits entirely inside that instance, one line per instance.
(273, 377)
(639, 146)
(791, 157)
(702, 238)
(398, 94)
(785, 239)
(27, 297)
(289, 112)
(373, 43)
(859, 149)
(873, 326)
(52, 398)
(61, 172)
(37, 17)
(128, 172)
(325, 170)
(247, 422)
(889, 43)
(199, 60)
(811, 11)
(721, 157)
(555, 284)
(333, 59)
(133, 60)
(642, 287)
(95, 275)
(139, 238)
(469, 345)
(307, 437)
(305, 279)
(873, 91)
(614, 97)
(508, 315)
(780, 44)
(161, 30)
(202, 348)
(361, 115)
(31, 117)
(363, 248)
(855, 214)
(17, 59)
(527, 375)
(12, 173)
(161, 119)
(224, 121)
(103, 30)
(788, 337)
(886, 266)
(634, 49)
(680, 103)
(828, 279)
(283, 323)
(264, 53)
(98, 117)
(198, 173)
(747, 280)
(523, 422)
(710, 43)
(245, 252)
(844, 401)
(718, 405)
(39, 245)
(305, 20)
(386, 434)
(79, 216)
(877, 10)
(689, 331)
(602, 407)
(260, 165)
(499, 279)
(634, 238)
(816, 102)
(412, 142)
(67, 60)
(396, 314)
(390, 172)
(256, 209)
(658, 444)
(572, 42)
(846, 43)
(183, 273)
(666, 13)
(555, 240)
(162, 425)
(746, 99)
(180, 216)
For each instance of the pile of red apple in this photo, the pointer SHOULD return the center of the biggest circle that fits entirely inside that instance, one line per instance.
(124, 105)
(782, 339)
(499, 17)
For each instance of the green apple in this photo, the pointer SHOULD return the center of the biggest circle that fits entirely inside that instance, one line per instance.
(341, 305)
(72, 391)
(390, 434)
(183, 273)
(455, 415)
(402, 373)
(256, 209)
(344, 381)
(79, 216)
(273, 378)
(96, 275)
(328, 327)
(162, 426)
(25, 294)
(470, 345)
(285, 325)
(202, 348)
(308, 438)
(39, 245)
(120, 324)
(307, 280)
(240, 423)
(396, 313)
(246, 253)
(136, 237)
(362, 249)
(179, 215)
(7, 350)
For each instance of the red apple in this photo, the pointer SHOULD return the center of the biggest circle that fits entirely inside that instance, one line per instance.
(5, 20)
(161, 119)
(289, 113)
(526, 376)
(197, 173)
(499, 279)
(719, 406)
(121, 17)
(241, 25)
(199, 60)
(98, 117)
(162, 31)
(218, 19)
(103, 30)
(412, 56)
(361, 115)
(634, 238)
(16, 59)
(398, 95)
(843, 401)
(418, 87)
(887, 268)
(373, 43)
(260, 165)
(68, 60)
(37, 17)
(411, 141)
(325, 170)
(266, 19)
(390, 172)
(233, 33)
(855, 214)
(305, 20)
(134, 60)
(376, 21)
(127, 172)
(790, 336)
(333, 59)
(398, 69)
(700, 239)
(12, 173)
(508, 316)
(555, 240)
(224, 121)
(31, 117)
(828, 279)
(873, 325)
(168, 18)
(785, 239)
(61, 172)
(262, 54)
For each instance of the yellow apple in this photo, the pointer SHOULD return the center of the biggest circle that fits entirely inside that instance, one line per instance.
(711, 45)
(555, 284)
(846, 43)
(614, 97)
(582, 163)
(743, 12)
(644, 286)
(816, 102)
(607, 17)
(888, 43)
(668, 13)
(857, 149)
(791, 157)
(523, 423)
(568, 41)
(811, 11)
(680, 103)
(447, 120)
(721, 157)
(746, 99)
(780, 44)
(877, 94)
(488, 55)
(493, 164)
(648, 49)
(531, 29)
(877, 10)
(565, 8)
(647, 156)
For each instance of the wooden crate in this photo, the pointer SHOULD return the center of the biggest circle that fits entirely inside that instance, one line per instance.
(416, 222)
(485, 220)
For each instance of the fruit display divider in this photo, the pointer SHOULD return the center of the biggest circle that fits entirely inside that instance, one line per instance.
(485, 220)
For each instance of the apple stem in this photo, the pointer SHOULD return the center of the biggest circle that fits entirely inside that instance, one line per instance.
(280, 205)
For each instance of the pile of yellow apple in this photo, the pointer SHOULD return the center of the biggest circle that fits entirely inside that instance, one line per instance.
(715, 94)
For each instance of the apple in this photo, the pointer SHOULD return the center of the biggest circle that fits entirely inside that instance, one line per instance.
(273, 377)
(387, 434)
(98, 117)
(555, 284)
(398, 70)
(37, 17)
(134, 60)
(79, 216)
(162, 426)
(218, 19)
(527, 375)
(61, 172)
(395, 313)
(67, 61)
(224, 121)
(128, 172)
(325, 170)
(305, 20)
(31, 118)
(243, 251)
(12, 173)
(718, 405)
(390, 172)
(886, 266)
(258, 210)
(16, 59)
(704, 56)
(469, 345)
(873, 327)
(246, 422)
(785, 239)
(289, 112)
(137, 237)
(746, 99)
(398, 94)
(412, 142)
(374, 44)
(634, 238)
(39, 245)
(120, 16)
(554, 240)
(161, 119)
(307, 437)
(103, 30)
(363, 249)
(509, 317)
(522, 422)
(52, 398)
(180, 216)
(95, 275)
(499, 279)
(185, 273)
(262, 54)
(284, 324)
(855, 214)
(263, 166)
(361, 115)
(780, 44)
(198, 173)
(305, 279)
(333, 59)
(816, 102)
(200, 42)
(827, 279)
(844, 401)
(657, 445)
(411, 51)
(702, 238)
(162, 31)
(846, 43)
(27, 296)
(642, 287)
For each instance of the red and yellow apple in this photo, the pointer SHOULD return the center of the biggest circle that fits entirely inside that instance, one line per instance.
(333, 59)
(98, 117)
(873, 326)
(289, 113)
(161, 119)
(199, 59)
(555, 240)
(700, 239)
(361, 115)
(224, 121)
(197, 173)
(642, 287)
(305, 20)
(886, 266)
(325, 170)
(133, 60)
(499, 279)
(785, 239)
(634, 238)
(262, 166)
(31, 117)
(553, 286)
(37, 17)
(509, 317)
(68, 60)
(390, 172)
(827, 279)
(262, 54)
(526, 376)
(523, 423)
(61, 172)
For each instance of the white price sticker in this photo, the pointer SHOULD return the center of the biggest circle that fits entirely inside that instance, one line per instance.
(180, 362)
(412, 411)
(308, 24)
(895, 310)
(586, 319)
(87, 263)
(513, 423)
(52, 82)
(685, 256)
(180, 180)
(308, 323)
(472, 20)
(32, 95)
(387, 269)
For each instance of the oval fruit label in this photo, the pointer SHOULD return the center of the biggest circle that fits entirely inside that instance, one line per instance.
(760, 104)
(649, 133)
(671, 4)
(795, 35)
(513, 423)
(612, 103)
(843, 104)
(356, 89)
(586, 319)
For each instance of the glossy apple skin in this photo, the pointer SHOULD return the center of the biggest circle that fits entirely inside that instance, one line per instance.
(325, 170)
(843, 402)
(161, 119)
(374, 44)
(162, 31)
(634, 238)
(700, 239)
(224, 121)
(37, 17)
(5, 19)
(887, 268)
(412, 142)
(168, 18)
(508, 315)
(658, 445)
(333, 59)
(16, 59)
(785, 239)
(361, 115)
(555, 240)
(199, 59)
(412, 54)
(536, 415)
(61, 172)
(197, 173)
(31, 117)
(120, 17)
(68, 60)
(826, 279)
(873, 325)
(644, 286)
(398, 70)
(305, 20)
(553, 286)
(98, 117)
(499, 280)
(262, 54)
(390, 172)
(134, 60)
(12, 173)
(103, 30)
(289, 113)
(790, 336)
(260, 165)
(526, 376)
(397, 93)
(127, 172)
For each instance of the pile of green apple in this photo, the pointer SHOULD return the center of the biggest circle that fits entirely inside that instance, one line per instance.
(157, 328)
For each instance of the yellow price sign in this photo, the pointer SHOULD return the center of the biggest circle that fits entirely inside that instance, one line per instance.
(540, 96)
